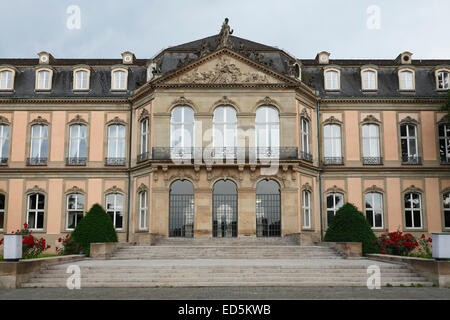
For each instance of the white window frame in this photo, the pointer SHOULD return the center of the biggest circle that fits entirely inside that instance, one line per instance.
(408, 138)
(77, 140)
(335, 208)
(331, 83)
(114, 138)
(445, 209)
(4, 139)
(2, 211)
(446, 139)
(115, 211)
(372, 152)
(121, 83)
(41, 139)
(375, 210)
(44, 84)
(83, 83)
(144, 134)
(75, 211)
(411, 209)
(143, 210)
(403, 81)
(368, 84)
(439, 82)
(305, 135)
(306, 208)
(229, 124)
(267, 126)
(335, 141)
(6, 82)
(186, 143)
(36, 211)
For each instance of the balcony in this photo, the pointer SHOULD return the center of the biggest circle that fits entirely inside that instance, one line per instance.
(372, 160)
(333, 160)
(114, 161)
(3, 161)
(224, 153)
(411, 159)
(306, 156)
(36, 161)
(142, 157)
(76, 161)
(444, 160)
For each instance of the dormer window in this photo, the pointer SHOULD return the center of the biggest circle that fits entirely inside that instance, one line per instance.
(332, 81)
(406, 80)
(6, 80)
(44, 79)
(81, 79)
(369, 80)
(442, 79)
(119, 80)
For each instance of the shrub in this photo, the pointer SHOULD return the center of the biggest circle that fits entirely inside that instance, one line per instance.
(96, 226)
(350, 225)
(68, 246)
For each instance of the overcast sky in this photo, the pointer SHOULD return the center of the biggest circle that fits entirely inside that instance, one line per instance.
(302, 28)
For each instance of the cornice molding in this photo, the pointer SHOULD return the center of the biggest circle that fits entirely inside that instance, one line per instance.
(114, 189)
(35, 189)
(4, 120)
(39, 121)
(143, 115)
(335, 189)
(409, 120)
(307, 187)
(304, 114)
(370, 119)
(413, 189)
(78, 119)
(116, 120)
(74, 189)
(332, 120)
(142, 187)
(374, 189)
(182, 101)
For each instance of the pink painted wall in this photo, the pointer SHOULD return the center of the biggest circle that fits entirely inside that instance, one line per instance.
(428, 135)
(94, 192)
(355, 192)
(58, 136)
(390, 130)
(433, 204)
(15, 205)
(55, 207)
(394, 207)
(19, 136)
(96, 138)
(352, 135)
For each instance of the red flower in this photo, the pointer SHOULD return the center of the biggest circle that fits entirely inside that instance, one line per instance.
(423, 236)
(25, 225)
(67, 235)
(430, 240)
(59, 239)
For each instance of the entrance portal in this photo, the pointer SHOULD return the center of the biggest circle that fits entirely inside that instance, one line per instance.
(224, 209)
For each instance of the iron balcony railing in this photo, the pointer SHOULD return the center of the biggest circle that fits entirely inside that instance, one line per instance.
(224, 153)
(76, 161)
(306, 156)
(142, 157)
(3, 161)
(114, 161)
(36, 161)
(333, 160)
(443, 160)
(411, 159)
(372, 160)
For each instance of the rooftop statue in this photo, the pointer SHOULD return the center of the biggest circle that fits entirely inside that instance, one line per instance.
(223, 40)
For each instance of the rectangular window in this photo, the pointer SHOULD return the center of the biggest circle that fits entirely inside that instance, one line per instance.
(4, 143)
(306, 208)
(75, 210)
(114, 207)
(369, 78)
(39, 140)
(334, 202)
(408, 140)
(116, 141)
(143, 209)
(305, 135)
(144, 136)
(332, 144)
(374, 210)
(81, 80)
(406, 80)
(6, 80)
(443, 80)
(413, 210)
(444, 143)
(44, 80)
(35, 212)
(120, 80)
(77, 144)
(331, 80)
(2, 211)
(446, 205)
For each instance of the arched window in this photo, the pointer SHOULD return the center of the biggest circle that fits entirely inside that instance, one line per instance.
(81, 80)
(114, 207)
(406, 78)
(371, 144)
(2, 212)
(77, 145)
(143, 210)
(39, 145)
(224, 209)
(369, 80)
(268, 209)
(181, 209)
(116, 145)
(444, 143)
(413, 210)
(446, 206)
(332, 80)
(374, 209)
(6, 80)
(334, 202)
(36, 211)
(44, 80)
(408, 140)
(4, 143)
(267, 132)
(75, 210)
(182, 132)
(225, 132)
(332, 144)
(306, 153)
(119, 80)
(306, 208)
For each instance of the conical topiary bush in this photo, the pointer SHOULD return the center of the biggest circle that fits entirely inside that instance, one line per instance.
(350, 225)
(96, 226)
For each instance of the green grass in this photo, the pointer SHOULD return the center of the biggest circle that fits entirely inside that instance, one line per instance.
(39, 256)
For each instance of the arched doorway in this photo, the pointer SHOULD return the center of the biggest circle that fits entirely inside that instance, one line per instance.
(224, 209)
(181, 209)
(268, 209)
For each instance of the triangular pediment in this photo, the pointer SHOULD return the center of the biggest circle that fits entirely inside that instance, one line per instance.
(224, 67)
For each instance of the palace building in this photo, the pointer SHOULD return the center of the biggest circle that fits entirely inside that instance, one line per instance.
(223, 137)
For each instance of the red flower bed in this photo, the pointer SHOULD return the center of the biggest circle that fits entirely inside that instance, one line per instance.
(404, 244)
(31, 246)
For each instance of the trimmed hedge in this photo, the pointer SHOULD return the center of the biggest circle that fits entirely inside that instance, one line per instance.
(96, 226)
(350, 225)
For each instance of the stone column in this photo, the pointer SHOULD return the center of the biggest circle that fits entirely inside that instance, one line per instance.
(246, 212)
(159, 215)
(203, 212)
(289, 213)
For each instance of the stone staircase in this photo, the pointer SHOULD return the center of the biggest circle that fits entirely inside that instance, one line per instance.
(230, 262)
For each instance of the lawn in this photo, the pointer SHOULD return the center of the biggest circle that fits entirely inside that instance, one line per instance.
(39, 256)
